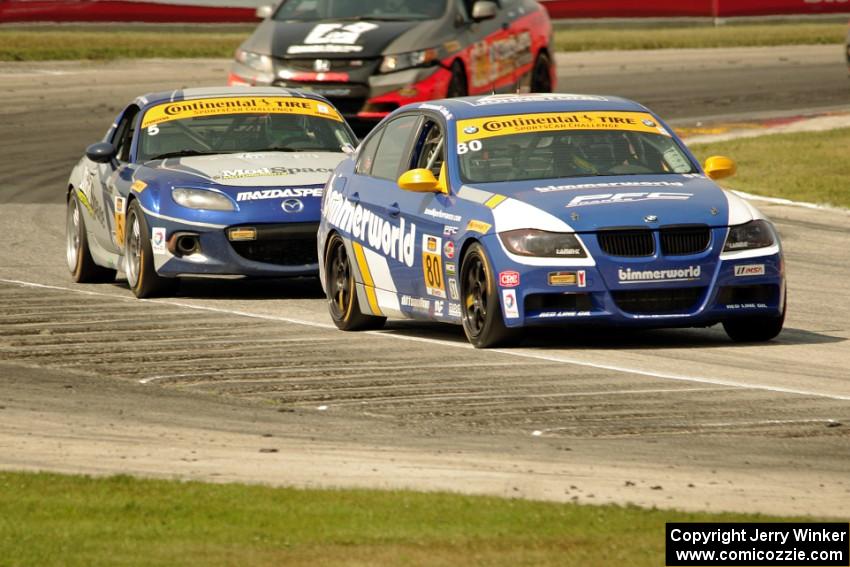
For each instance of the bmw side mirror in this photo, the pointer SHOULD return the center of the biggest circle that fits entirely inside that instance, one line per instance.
(420, 181)
(264, 12)
(720, 167)
(101, 152)
(484, 10)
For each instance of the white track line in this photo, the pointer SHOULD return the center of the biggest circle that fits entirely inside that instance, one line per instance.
(790, 203)
(450, 344)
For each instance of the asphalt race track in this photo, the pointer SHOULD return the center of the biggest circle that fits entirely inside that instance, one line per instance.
(249, 381)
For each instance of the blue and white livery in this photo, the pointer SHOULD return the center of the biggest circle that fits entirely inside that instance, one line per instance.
(508, 211)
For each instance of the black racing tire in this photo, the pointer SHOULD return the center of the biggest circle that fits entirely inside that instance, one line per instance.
(139, 267)
(756, 329)
(481, 309)
(541, 74)
(80, 262)
(458, 86)
(343, 304)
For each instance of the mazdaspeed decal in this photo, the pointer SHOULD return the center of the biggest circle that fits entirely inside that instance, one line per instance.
(279, 193)
(238, 105)
(555, 121)
(384, 236)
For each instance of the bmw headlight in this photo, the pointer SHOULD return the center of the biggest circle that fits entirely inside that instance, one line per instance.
(256, 61)
(754, 234)
(531, 242)
(202, 199)
(403, 61)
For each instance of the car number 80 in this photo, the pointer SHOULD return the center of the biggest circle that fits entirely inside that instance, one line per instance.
(473, 146)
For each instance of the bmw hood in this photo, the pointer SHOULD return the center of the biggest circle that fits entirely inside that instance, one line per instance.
(263, 169)
(328, 39)
(589, 204)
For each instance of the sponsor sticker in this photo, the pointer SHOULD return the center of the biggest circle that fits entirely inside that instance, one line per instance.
(396, 241)
(454, 310)
(439, 307)
(180, 110)
(438, 214)
(451, 268)
(492, 126)
(612, 198)
(509, 300)
(432, 265)
(547, 97)
(226, 174)
(158, 239)
(416, 303)
(509, 279)
(449, 249)
(478, 226)
(450, 230)
(120, 217)
(614, 185)
(453, 289)
(749, 270)
(629, 276)
(138, 186)
(578, 279)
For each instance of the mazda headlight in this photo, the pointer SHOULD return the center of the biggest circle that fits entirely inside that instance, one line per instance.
(256, 61)
(754, 234)
(403, 61)
(202, 199)
(530, 242)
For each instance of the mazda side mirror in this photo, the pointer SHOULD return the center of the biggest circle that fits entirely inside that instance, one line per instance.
(101, 152)
(264, 12)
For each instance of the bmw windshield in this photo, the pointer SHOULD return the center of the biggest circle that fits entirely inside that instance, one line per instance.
(566, 144)
(315, 10)
(241, 124)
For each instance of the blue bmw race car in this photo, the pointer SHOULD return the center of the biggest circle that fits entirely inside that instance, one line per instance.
(204, 182)
(506, 211)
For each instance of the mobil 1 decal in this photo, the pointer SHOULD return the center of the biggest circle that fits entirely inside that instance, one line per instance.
(432, 265)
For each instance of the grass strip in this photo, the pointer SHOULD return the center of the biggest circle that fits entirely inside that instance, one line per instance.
(698, 37)
(809, 166)
(51, 519)
(107, 42)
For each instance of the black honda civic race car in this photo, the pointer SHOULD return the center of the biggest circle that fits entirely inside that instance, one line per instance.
(370, 57)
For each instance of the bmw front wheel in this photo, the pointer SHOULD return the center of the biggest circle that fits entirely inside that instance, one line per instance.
(755, 329)
(481, 310)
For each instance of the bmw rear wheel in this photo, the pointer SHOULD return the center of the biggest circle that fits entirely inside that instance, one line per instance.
(138, 258)
(343, 304)
(77, 253)
(481, 309)
(755, 329)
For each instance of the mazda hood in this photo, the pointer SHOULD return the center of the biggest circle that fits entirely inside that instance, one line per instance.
(589, 204)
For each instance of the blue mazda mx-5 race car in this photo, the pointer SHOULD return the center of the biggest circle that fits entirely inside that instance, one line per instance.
(204, 182)
(506, 211)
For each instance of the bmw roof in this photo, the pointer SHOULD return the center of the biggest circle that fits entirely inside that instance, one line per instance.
(494, 105)
(213, 92)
